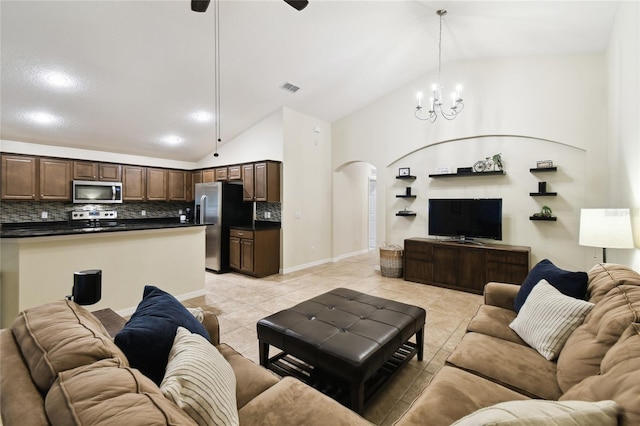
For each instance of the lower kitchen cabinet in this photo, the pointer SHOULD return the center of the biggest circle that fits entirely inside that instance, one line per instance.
(254, 252)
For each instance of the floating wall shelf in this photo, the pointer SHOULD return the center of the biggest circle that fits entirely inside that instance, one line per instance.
(543, 194)
(405, 196)
(405, 177)
(474, 174)
(405, 213)
(547, 218)
(543, 169)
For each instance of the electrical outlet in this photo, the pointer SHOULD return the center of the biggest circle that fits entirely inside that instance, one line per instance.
(298, 215)
(44, 215)
(143, 213)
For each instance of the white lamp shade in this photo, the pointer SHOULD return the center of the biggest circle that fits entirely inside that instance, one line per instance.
(606, 228)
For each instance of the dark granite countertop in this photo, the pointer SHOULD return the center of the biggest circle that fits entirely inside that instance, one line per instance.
(45, 229)
(258, 225)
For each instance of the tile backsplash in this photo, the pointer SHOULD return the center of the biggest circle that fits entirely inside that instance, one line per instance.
(31, 211)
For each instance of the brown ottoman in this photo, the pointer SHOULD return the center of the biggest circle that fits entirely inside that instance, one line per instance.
(352, 337)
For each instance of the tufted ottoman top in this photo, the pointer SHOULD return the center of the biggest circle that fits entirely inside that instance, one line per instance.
(344, 332)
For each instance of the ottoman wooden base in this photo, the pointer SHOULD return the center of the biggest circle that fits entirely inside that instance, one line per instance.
(345, 343)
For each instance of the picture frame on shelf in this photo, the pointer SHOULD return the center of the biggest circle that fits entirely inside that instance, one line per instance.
(544, 164)
(404, 171)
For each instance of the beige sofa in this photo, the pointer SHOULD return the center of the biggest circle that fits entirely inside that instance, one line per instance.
(492, 364)
(60, 366)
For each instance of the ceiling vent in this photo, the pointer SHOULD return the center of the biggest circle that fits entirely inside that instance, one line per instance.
(290, 87)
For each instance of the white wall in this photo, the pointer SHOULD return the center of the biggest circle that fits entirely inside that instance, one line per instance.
(537, 107)
(307, 191)
(263, 141)
(623, 184)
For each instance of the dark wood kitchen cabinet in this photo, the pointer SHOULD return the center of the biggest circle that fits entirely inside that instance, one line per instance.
(255, 252)
(134, 180)
(466, 267)
(157, 184)
(177, 185)
(55, 179)
(222, 174)
(89, 170)
(261, 181)
(19, 177)
(35, 178)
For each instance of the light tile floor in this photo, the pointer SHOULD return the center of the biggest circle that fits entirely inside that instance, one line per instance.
(240, 301)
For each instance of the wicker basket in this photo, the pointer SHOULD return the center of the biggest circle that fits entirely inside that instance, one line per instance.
(391, 261)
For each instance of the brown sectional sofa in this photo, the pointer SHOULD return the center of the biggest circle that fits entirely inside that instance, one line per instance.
(492, 364)
(60, 366)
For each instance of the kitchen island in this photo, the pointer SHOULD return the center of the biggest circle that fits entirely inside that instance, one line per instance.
(38, 263)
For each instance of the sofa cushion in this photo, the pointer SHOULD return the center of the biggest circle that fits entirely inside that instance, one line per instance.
(200, 381)
(494, 321)
(517, 367)
(548, 318)
(59, 336)
(147, 337)
(291, 402)
(252, 378)
(572, 284)
(542, 413)
(610, 317)
(109, 393)
(453, 394)
(603, 277)
(619, 377)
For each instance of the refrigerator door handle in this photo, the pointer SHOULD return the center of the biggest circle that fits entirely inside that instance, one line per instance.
(203, 203)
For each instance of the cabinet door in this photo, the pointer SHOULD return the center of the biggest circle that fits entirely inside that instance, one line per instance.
(418, 261)
(157, 184)
(235, 172)
(248, 192)
(19, 177)
(234, 252)
(446, 264)
(55, 179)
(246, 255)
(267, 182)
(110, 172)
(177, 185)
(222, 174)
(134, 181)
(208, 175)
(507, 267)
(85, 170)
(471, 268)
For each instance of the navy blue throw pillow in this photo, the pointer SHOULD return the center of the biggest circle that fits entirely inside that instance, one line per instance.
(147, 337)
(573, 284)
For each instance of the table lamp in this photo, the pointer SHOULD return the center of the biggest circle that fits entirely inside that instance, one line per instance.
(606, 228)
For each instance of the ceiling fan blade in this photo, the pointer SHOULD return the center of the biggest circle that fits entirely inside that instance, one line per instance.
(199, 5)
(297, 4)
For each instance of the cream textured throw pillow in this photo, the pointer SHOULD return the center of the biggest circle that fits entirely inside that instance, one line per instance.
(537, 412)
(548, 317)
(200, 381)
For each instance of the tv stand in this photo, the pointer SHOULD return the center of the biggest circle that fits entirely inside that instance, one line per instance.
(462, 266)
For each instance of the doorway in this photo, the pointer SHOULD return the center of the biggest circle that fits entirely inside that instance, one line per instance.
(372, 210)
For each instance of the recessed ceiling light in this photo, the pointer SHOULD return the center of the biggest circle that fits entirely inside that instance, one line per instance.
(172, 140)
(202, 116)
(44, 118)
(58, 79)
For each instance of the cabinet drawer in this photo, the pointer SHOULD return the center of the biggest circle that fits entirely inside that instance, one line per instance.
(418, 250)
(239, 233)
(509, 258)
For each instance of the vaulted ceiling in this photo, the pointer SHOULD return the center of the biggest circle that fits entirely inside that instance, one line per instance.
(137, 77)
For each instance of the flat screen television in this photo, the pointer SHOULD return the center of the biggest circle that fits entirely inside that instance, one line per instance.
(466, 218)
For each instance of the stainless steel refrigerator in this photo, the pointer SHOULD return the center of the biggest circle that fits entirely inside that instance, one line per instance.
(219, 205)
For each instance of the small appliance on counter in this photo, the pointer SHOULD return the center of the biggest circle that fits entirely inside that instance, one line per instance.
(219, 205)
(93, 218)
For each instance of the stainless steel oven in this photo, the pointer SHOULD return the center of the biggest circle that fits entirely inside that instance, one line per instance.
(95, 192)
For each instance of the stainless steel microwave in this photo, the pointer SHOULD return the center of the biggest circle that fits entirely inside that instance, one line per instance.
(95, 192)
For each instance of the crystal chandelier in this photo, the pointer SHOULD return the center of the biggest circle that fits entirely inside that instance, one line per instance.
(436, 103)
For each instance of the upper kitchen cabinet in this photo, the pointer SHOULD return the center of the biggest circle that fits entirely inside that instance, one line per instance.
(55, 179)
(222, 174)
(235, 172)
(157, 184)
(134, 180)
(208, 176)
(89, 170)
(178, 185)
(261, 181)
(19, 178)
